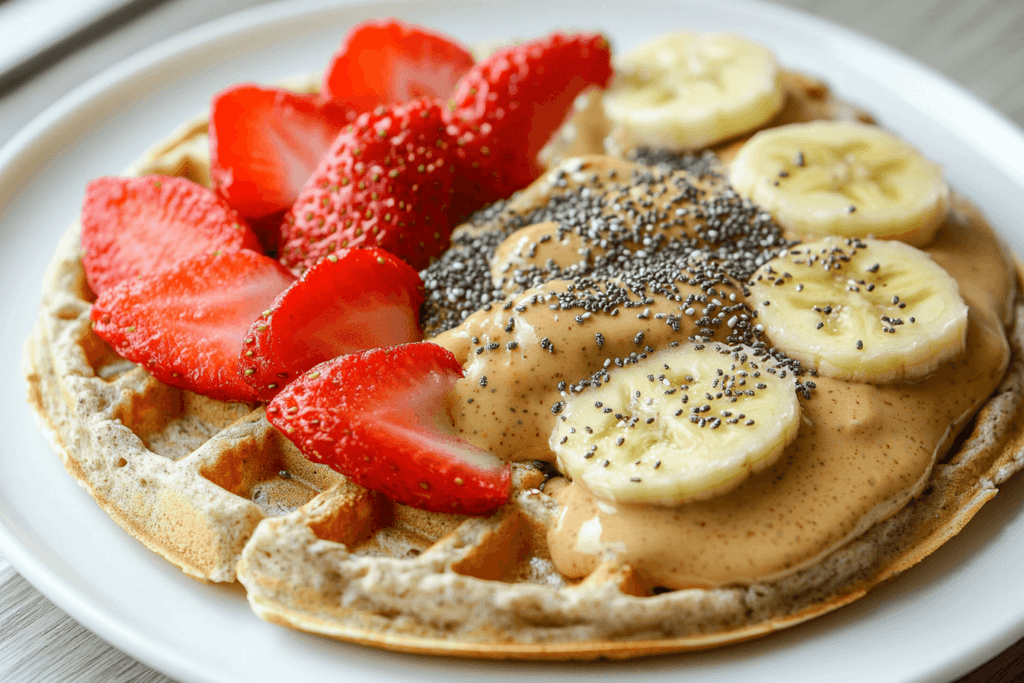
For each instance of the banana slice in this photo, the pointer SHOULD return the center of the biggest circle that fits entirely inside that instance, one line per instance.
(842, 178)
(864, 310)
(688, 91)
(687, 423)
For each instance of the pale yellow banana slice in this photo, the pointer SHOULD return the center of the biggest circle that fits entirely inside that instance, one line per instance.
(842, 178)
(687, 423)
(688, 91)
(864, 310)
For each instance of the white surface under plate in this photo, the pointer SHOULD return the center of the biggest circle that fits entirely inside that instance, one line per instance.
(958, 608)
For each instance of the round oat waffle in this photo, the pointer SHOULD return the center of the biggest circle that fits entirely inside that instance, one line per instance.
(216, 490)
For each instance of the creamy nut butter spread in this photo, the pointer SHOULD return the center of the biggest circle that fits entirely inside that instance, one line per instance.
(863, 450)
(618, 262)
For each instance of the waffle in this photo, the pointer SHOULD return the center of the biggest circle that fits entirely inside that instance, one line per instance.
(218, 491)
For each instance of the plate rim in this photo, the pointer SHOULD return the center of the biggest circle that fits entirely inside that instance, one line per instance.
(999, 129)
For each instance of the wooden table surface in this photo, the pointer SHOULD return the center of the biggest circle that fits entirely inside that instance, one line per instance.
(977, 43)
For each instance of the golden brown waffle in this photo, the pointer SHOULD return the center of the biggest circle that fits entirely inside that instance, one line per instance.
(216, 490)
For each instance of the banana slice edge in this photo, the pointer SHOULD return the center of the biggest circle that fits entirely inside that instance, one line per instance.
(851, 323)
(839, 161)
(687, 90)
(652, 436)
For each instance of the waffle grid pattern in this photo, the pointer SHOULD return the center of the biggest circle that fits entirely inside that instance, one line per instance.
(219, 492)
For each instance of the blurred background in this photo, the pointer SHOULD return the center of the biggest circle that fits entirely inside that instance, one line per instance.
(48, 47)
(977, 43)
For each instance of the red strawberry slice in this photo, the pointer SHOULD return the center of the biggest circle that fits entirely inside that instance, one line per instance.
(138, 226)
(387, 61)
(268, 230)
(379, 418)
(185, 325)
(265, 143)
(385, 182)
(509, 105)
(353, 300)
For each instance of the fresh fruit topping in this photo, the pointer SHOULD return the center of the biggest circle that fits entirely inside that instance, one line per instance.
(353, 300)
(185, 325)
(508, 106)
(689, 91)
(387, 61)
(385, 182)
(842, 178)
(688, 423)
(867, 311)
(265, 143)
(268, 230)
(133, 227)
(379, 417)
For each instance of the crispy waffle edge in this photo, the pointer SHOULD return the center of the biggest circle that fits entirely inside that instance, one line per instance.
(213, 488)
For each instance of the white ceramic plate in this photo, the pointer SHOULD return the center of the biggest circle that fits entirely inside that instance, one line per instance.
(954, 611)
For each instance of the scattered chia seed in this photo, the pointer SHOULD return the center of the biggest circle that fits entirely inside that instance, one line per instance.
(651, 237)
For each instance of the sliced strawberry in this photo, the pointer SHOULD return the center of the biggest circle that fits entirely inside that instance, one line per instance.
(379, 418)
(385, 182)
(509, 105)
(268, 230)
(185, 325)
(354, 300)
(265, 143)
(138, 226)
(386, 61)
